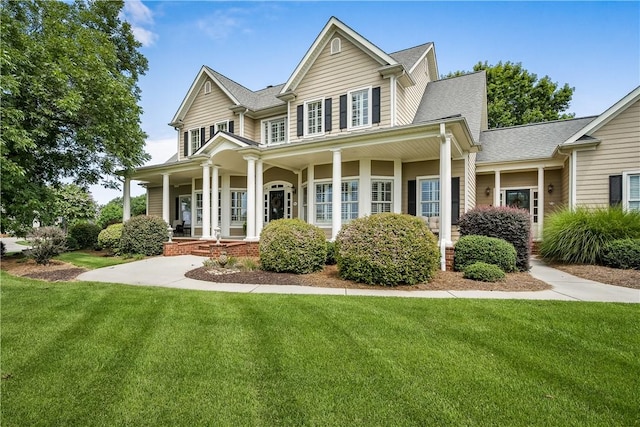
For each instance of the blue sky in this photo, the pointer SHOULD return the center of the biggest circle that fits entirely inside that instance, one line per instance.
(593, 46)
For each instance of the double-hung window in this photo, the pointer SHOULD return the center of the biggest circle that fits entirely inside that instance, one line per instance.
(314, 118)
(349, 200)
(324, 195)
(429, 192)
(222, 126)
(238, 207)
(632, 193)
(198, 217)
(274, 131)
(381, 196)
(194, 140)
(360, 107)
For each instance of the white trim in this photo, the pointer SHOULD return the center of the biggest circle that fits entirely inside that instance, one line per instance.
(265, 202)
(221, 122)
(364, 199)
(422, 57)
(573, 176)
(336, 45)
(626, 189)
(264, 138)
(397, 186)
(207, 87)
(225, 200)
(350, 126)
(305, 111)
(240, 223)
(392, 95)
(190, 146)
(419, 193)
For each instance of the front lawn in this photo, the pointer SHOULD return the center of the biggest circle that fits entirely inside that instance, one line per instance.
(91, 259)
(99, 354)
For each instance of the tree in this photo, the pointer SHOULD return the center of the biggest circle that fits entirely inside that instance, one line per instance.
(515, 96)
(73, 204)
(69, 101)
(111, 213)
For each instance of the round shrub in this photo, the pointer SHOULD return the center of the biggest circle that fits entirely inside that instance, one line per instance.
(387, 249)
(144, 235)
(483, 272)
(109, 238)
(490, 250)
(293, 246)
(623, 253)
(85, 234)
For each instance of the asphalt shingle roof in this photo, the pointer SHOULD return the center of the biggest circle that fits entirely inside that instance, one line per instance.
(258, 100)
(408, 57)
(527, 142)
(463, 95)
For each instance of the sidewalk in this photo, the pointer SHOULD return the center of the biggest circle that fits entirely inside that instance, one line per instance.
(169, 272)
(11, 245)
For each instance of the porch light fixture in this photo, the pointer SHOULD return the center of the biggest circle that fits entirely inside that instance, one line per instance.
(550, 188)
(294, 190)
(487, 191)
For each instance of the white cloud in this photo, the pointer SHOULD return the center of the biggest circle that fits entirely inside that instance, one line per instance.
(140, 16)
(222, 23)
(144, 36)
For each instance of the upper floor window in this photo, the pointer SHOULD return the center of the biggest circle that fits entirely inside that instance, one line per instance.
(274, 131)
(313, 118)
(207, 87)
(194, 139)
(222, 126)
(359, 107)
(336, 45)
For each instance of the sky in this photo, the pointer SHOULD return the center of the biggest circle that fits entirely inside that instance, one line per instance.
(592, 46)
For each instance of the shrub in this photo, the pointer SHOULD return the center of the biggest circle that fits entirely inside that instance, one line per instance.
(483, 272)
(109, 238)
(490, 250)
(144, 235)
(331, 253)
(3, 250)
(387, 249)
(71, 243)
(46, 242)
(510, 224)
(623, 253)
(293, 246)
(580, 236)
(85, 234)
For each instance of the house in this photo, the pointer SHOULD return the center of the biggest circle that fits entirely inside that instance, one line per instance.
(390, 134)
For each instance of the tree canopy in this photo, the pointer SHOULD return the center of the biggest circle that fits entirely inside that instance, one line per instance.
(73, 204)
(111, 213)
(69, 101)
(515, 96)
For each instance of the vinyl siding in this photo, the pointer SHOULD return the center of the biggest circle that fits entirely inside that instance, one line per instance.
(482, 182)
(470, 184)
(154, 196)
(566, 173)
(349, 169)
(619, 151)
(553, 201)
(413, 94)
(382, 168)
(277, 174)
(331, 76)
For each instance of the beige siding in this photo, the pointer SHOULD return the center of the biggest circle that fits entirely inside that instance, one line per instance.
(619, 151)
(402, 114)
(154, 196)
(251, 129)
(553, 201)
(326, 171)
(411, 171)
(206, 110)
(470, 191)
(566, 172)
(305, 174)
(519, 180)
(238, 181)
(333, 75)
(412, 95)
(482, 182)
(277, 174)
(381, 168)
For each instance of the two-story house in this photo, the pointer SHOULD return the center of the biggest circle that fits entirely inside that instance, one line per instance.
(380, 127)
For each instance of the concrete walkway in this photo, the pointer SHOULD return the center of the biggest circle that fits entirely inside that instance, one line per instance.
(169, 272)
(11, 245)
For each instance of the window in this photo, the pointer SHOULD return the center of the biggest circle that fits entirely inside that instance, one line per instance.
(198, 218)
(313, 117)
(381, 196)
(274, 131)
(305, 207)
(349, 200)
(184, 206)
(336, 45)
(632, 193)
(194, 140)
(429, 192)
(324, 196)
(359, 106)
(238, 207)
(222, 126)
(207, 87)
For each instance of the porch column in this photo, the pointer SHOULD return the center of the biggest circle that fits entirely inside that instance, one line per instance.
(259, 197)
(364, 193)
(496, 190)
(541, 190)
(311, 194)
(126, 200)
(206, 201)
(225, 193)
(445, 195)
(165, 198)
(336, 202)
(397, 186)
(251, 198)
(215, 184)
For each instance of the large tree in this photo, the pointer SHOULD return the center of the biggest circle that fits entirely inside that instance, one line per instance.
(73, 204)
(69, 101)
(515, 96)
(111, 213)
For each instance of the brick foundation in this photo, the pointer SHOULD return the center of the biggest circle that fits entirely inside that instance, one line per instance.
(449, 255)
(209, 248)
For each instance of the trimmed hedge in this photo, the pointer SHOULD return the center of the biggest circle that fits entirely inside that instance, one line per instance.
(623, 253)
(510, 224)
(144, 235)
(84, 235)
(490, 250)
(387, 249)
(292, 246)
(483, 272)
(109, 238)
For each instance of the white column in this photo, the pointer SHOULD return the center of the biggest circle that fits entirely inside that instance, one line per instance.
(311, 194)
(206, 201)
(192, 218)
(572, 180)
(541, 190)
(241, 120)
(259, 197)
(225, 192)
(496, 189)
(126, 200)
(364, 191)
(397, 186)
(392, 92)
(445, 195)
(466, 182)
(251, 198)
(299, 194)
(336, 202)
(165, 198)
(215, 185)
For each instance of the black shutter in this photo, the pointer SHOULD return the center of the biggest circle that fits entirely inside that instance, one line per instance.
(375, 105)
(411, 190)
(327, 115)
(212, 130)
(185, 151)
(202, 136)
(177, 208)
(615, 190)
(455, 200)
(343, 111)
(300, 119)
(231, 126)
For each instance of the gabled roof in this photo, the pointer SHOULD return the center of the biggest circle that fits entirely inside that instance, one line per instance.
(604, 118)
(527, 142)
(463, 95)
(334, 24)
(409, 57)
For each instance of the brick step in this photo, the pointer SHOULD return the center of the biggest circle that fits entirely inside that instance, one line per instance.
(201, 252)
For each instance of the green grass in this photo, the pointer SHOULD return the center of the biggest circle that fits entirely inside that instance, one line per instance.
(23, 242)
(91, 261)
(100, 354)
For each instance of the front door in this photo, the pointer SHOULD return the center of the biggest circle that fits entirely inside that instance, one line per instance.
(276, 204)
(519, 199)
